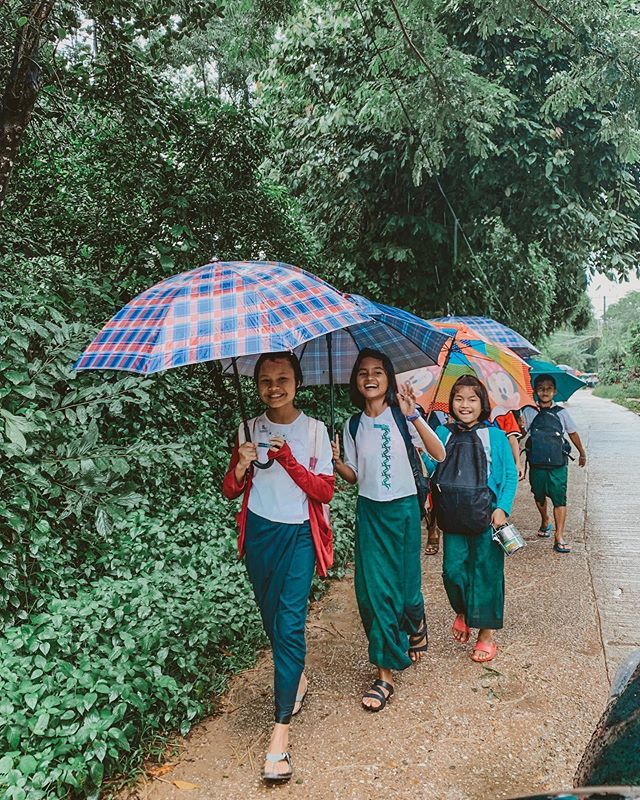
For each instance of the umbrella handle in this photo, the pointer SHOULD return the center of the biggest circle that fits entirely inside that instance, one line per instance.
(332, 410)
(441, 376)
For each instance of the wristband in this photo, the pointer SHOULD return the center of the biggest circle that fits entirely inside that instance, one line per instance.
(412, 417)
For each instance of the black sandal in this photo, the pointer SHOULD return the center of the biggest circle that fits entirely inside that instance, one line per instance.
(419, 635)
(376, 693)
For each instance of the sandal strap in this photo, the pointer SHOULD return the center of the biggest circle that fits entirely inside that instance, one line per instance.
(383, 685)
(274, 758)
(485, 647)
(423, 630)
(380, 696)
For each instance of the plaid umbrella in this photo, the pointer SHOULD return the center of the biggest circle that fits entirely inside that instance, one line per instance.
(505, 374)
(221, 310)
(494, 332)
(409, 342)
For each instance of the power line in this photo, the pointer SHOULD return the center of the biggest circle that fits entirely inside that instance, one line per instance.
(413, 126)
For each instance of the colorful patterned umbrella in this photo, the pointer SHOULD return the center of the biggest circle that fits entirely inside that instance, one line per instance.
(505, 374)
(221, 310)
(408, 341)
(494, 332)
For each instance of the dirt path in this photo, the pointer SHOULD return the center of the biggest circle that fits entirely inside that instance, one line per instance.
(455, 730)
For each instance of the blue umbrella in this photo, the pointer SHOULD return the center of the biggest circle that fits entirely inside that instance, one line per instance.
(410, 342)
(566, 383)
(495, 332)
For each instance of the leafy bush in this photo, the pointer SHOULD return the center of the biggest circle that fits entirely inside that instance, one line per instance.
(76, 453)
(89, 680)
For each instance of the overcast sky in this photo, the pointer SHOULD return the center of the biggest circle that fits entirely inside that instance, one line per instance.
(601, 287)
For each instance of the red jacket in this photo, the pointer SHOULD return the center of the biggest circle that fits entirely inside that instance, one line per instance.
(318, 488)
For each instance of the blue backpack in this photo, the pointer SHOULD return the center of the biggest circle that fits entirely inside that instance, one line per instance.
(546, 447)
(421, 480)
(461, 495)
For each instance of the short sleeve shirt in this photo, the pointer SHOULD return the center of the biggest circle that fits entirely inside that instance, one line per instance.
(508, 424)
(379, 458)
(568, 425)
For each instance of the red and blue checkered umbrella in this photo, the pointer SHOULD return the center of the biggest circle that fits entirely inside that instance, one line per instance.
(221, 310)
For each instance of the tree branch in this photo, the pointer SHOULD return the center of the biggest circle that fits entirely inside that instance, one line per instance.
(21, 90)
(417, 52)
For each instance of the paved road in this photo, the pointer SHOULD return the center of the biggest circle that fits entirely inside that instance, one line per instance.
(612, 520)
(456, 730)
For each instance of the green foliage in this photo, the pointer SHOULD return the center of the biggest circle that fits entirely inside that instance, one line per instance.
(634, 346)
(89, 680)
(122, 603)
(619, 353)
(497, 115)
(576, 349)
(625, 394)
(505, 281)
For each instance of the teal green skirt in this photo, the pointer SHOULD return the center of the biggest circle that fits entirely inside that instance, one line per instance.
(280, 559)
(388, 577)
(473, 575)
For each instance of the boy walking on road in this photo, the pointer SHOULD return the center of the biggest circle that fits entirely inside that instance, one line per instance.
(547, 454)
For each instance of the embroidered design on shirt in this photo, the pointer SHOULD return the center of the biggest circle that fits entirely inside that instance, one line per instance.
(386, 454)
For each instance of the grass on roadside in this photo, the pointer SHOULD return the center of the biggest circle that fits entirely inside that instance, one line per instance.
(625, 394)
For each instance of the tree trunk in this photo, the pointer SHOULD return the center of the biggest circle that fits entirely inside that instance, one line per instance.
(21, 91)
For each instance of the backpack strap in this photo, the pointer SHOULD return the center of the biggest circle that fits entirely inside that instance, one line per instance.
(403, 427)
(354, 421)
(315, 442)
(415, 461)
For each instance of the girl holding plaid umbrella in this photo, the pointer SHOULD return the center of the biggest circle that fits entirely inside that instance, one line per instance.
(233, 310)
(283, 530)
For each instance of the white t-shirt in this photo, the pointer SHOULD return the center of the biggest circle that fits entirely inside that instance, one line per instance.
(274, 495)
(379, 457)
(568, 425)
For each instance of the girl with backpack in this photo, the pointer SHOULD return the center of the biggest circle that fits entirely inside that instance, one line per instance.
(380, 456)
(286, 475)
(473, 489)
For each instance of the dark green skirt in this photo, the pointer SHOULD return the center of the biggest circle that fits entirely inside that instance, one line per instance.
(388, 577)
(473, 575)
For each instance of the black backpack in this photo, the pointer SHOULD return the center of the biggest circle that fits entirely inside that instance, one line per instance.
(462, 498)
(546, 447)
(421, 480)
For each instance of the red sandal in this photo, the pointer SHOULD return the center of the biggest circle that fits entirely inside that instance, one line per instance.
(490, 648)
(461, 626)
